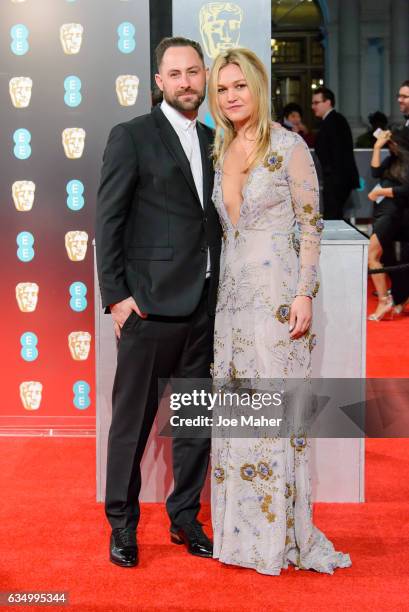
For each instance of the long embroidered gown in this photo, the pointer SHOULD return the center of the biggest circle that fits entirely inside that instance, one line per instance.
(261, 499)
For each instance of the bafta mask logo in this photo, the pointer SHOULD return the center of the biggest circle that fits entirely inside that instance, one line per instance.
(127, 86)
(71, 37)
(27, 296)
(30, 394)
(76, 243)
(20, 91)
(23, 195)
(79, 343)
(220, 24)
(73, 140)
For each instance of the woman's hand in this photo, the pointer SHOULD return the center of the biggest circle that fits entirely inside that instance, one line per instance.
(384, 192)
(300, 316)
(383, 139)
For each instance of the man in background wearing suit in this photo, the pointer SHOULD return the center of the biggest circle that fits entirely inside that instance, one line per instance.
(335, 151)
(158, 246)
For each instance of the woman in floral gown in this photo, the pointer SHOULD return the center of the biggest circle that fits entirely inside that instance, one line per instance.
(265, 185)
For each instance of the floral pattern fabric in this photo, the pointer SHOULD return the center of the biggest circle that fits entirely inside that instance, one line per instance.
(261, 495)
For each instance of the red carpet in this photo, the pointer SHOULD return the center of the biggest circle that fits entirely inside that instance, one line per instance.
(388, 345)
(55, 537)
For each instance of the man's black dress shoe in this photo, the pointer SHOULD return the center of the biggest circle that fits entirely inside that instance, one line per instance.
(123, 549)
(195, 539)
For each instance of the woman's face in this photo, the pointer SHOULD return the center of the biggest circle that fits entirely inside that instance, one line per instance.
(234, 97)
(294, 118)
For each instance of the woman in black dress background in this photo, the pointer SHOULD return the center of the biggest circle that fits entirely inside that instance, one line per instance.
(391, 200)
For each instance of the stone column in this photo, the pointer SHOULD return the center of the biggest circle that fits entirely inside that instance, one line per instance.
(399, 51)
(349, 86)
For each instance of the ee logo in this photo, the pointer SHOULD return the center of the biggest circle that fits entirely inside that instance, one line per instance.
(81, 394)
(19, 43)
(22, 147)
(29, 343)
(25, 242)
(78, 292)
(72, 86)
(75, 191)
(362, 184)
(126, 41)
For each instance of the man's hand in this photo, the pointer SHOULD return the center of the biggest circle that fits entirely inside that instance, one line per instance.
(300, 316)
(121, 311)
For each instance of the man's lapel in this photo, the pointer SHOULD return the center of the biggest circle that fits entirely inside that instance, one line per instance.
(206, 163)
(171, 141)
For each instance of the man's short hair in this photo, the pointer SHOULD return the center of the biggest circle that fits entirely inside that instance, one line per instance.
(405, 83)
(327, 94)
(176, 41)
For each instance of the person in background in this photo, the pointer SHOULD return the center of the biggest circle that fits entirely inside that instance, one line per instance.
(390, 200)
(403, 99)
(376, 120)
(292, 119)
(400, 279)
(335, 151)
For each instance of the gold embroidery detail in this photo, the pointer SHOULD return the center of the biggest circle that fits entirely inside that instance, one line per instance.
(264, 470)
(312, 341)
(283, 313)
(290, 522)
(274, 161)
(270, 516)
(316, 289)
(219, 474)
(317, 222)
(308, 209)
(248, 471)
(298, 442)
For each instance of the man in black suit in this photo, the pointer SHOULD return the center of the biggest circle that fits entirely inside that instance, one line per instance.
(158, 246)
(335, 151)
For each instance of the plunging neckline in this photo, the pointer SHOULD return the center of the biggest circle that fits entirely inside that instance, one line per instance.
(242, 191)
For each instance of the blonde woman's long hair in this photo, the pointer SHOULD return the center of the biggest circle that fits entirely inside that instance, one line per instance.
(257, 81)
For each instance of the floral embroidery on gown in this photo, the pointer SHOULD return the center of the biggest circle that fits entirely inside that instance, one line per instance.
(261, 497)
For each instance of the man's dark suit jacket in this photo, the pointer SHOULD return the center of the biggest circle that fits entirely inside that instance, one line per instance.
(335, 150)
(152, 234)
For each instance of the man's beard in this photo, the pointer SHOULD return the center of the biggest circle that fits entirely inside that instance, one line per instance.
(185, 105)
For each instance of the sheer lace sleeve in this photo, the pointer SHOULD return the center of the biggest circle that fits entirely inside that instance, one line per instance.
(304, 189)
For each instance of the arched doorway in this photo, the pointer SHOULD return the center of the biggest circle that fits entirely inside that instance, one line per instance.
(297, 53)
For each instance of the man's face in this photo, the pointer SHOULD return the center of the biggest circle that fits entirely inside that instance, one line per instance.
(182, 78)
(320, 106)
(403, 99)
(220, 27)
